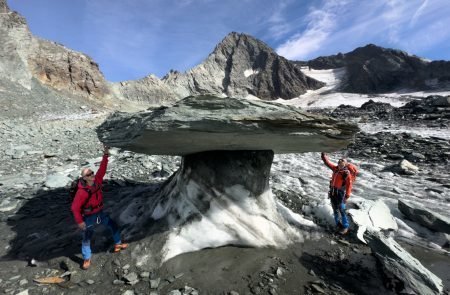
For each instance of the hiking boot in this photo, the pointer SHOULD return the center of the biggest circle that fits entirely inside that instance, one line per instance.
(86, 264)
(118, 247)
(343, 231)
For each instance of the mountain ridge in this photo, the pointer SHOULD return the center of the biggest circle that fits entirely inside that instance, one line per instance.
(375, 69)
(239, 66)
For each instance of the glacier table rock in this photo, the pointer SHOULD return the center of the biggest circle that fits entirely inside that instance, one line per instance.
(221, 194)
(206, 123)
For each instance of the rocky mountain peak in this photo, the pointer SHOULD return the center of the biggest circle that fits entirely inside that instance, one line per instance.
(243, 41)
(243, 66)
(4, 6)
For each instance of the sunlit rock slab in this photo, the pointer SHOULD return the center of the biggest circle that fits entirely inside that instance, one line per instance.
(204, 123)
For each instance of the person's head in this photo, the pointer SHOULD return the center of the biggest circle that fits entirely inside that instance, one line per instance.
(342, 163)
(87, 174)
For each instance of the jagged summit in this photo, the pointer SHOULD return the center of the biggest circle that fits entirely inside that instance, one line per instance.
(4, 6)
(234, 39)
(242, 66)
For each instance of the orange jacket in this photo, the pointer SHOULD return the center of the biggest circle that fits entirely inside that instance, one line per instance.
(341, 178)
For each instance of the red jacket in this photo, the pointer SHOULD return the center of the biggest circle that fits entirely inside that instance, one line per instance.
(341, 178)
(95, 203)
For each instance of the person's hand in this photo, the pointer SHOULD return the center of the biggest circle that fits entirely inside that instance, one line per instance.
(322, 154)
(82, 226)
(345, 199)
(106, 150)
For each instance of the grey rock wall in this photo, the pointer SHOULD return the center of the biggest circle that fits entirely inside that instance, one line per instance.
(24, 57)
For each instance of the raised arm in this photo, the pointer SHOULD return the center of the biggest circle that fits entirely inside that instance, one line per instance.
(327, 162)
(103, 165)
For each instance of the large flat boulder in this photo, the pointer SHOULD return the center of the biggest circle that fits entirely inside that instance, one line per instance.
(424, 216)
(372, 216)
(204, 123)
(397, 263)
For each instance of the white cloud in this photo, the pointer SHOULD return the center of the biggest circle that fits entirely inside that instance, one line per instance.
(340, 26)
(418, 13)
(320, 24)
(279, 25)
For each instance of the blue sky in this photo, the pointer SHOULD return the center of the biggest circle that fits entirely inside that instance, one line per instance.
(131, 39)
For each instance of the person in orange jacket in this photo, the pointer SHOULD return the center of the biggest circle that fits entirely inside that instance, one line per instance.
(340, 190)
(87, 209)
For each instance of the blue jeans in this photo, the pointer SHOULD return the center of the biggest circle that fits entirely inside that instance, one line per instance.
(337, 202)
(91, 221)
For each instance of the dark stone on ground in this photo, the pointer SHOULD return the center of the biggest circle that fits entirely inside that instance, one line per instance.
(426, 217)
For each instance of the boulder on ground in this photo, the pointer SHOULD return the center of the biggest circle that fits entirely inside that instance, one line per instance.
(396, 261)
(403, 167)
(372, 216)
(424, 216)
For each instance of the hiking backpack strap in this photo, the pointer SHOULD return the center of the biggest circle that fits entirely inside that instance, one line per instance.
(91, 193)
(83, 184)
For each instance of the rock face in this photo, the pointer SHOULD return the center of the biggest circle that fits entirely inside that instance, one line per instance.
(67, 70)
(425, 217)
(374, 69)
(205, 123)
(409, 275)
(148, 90)
(3, 6)
(25, 57)
(240, 66)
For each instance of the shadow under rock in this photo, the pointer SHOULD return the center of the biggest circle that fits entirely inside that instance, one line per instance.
(45, 227)
(358, 273)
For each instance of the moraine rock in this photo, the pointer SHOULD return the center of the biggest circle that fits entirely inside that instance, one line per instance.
(385, 145)
(431, 110)
(424, 216)
(204, 123)
(415, 278)
(57, 180)
(404, 167)
(372, 216)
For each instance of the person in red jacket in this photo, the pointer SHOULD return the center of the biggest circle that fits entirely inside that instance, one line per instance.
(340, 190)
(87, 209)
